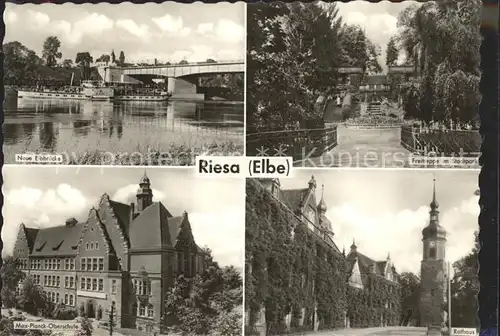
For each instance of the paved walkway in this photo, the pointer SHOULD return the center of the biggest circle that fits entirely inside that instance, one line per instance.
(387, 331)
(365, 148)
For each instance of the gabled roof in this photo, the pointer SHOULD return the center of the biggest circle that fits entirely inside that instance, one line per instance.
(155, 227)
(122, 212)
(294, 198)
(30, 235)
(57, 241)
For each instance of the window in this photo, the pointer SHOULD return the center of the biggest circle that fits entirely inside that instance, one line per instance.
(45, 280)
(142, 310)
(89, 283)
(96, 245)
(71, 282)
(94, 284)
(113, 286)
(151, 312)
(66, 301)
(186, 264)
(92, 245)
(66, 282)
(149, 288)
(72, 264)
(58, 281)
(94, 264)
(57, 297)
(83, 264)
(66, 264)
(101, 264)
(71, 300)
(432, 252)
(141, 289)
(101, 285)
(58, 263)
(179, 262)
(87, 246)
(82, 283)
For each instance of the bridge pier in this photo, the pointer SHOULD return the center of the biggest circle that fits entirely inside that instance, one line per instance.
(183, 89)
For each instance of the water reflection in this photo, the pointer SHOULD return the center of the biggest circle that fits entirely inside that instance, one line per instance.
(62, 125)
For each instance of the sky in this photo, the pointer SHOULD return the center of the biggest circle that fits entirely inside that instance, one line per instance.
(169, 31)
(386, 210)
(47, 196)
(379, 20)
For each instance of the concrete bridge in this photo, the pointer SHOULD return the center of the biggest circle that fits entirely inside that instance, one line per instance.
(181, 79)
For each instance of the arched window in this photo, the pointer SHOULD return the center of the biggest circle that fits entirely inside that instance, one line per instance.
(432, 252)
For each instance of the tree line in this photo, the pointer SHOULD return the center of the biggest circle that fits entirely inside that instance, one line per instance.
(293, 53)
(442, 41)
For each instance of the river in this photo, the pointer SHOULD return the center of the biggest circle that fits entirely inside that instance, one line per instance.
(71, 126)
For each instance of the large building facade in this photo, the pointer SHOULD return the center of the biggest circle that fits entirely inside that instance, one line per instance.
(365, 277)
(123, 254)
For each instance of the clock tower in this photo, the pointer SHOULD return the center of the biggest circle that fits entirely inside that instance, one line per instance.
(432, 282)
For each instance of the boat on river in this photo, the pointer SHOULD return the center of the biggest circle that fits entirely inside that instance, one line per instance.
(97, 91)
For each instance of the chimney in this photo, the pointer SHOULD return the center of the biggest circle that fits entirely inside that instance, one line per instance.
(132, 211)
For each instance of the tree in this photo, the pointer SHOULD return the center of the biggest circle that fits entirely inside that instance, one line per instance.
(113, 57)
(84, 61)
(464, 290)
(20, 62)
(183, 62)
(104, 58)
(293, 49)
(442, 40)
(391, 53)
(122, 58)
(51, 51)
(32, 298)
(206, 304)
(11, 276)
(410, 294)
(85, 328)
(67, 63)
(209, 60)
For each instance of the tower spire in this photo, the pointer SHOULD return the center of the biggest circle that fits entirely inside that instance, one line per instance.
(312, 183)
(144, 193)
(322, 205)
(434, 203)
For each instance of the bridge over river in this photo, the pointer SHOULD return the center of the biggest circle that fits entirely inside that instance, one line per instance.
(382, 331)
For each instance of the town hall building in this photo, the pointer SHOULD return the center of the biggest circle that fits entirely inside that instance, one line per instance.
(128, 255)
(361, 271)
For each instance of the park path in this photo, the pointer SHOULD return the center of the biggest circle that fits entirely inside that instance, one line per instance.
(365, 148)
(382, 331)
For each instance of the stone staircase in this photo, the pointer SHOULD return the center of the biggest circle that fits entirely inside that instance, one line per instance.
(375, 108)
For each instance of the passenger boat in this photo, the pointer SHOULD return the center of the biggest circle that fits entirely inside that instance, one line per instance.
(89, 90)
(155, 97)
(99, 91)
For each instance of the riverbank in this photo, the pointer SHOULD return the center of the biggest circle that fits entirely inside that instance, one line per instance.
(175, 155)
